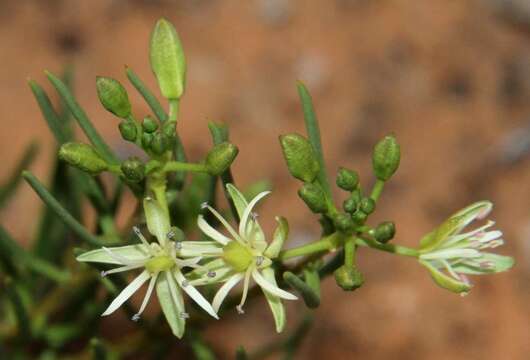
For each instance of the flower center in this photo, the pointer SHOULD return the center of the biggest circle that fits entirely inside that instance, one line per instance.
(159, 263)
(238, 256)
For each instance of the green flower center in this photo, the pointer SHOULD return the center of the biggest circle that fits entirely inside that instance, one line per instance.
(159, 263)
(238, 256)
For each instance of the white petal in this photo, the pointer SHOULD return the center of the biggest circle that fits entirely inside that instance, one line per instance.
(244, 219)
(211, 232)
(266, 285)
(451, 253)
(121, 269)
(127, 292)
(224, 222)
(123, 255)
(147, 296)
(188, 262)
(194, 294)
(224, 290)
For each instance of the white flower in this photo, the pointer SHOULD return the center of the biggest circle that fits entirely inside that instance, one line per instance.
(245, 255)
(162, 265)
(451, 255)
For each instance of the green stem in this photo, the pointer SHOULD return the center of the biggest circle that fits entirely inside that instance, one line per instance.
(173, 109)
(183, 166)
(349, 252)
(377, 189)
(324, 244)
(391, 248)
(148, 96)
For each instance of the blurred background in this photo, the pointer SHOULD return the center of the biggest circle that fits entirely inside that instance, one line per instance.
(450, 78)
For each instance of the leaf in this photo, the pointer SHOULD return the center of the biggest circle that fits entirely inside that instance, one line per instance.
(8, 189)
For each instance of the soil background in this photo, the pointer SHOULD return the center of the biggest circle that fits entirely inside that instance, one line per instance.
(451, 79)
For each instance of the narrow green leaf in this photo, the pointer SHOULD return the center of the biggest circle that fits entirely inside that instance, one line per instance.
(310, 296)
(60, 211)
(148, 96)
(50, 115)
(7, 190)
(82, 119)
(99, 350)
(241, 354)
(21, 314)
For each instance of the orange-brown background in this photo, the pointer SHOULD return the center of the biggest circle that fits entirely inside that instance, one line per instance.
(450, 78)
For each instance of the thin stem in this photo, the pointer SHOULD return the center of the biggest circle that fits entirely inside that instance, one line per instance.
(183, 166)
(324, 244)
(349, 252)
(391, 248)
(173, 109)
(377, 189)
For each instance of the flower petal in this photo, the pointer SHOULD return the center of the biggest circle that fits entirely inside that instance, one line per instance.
(248, 210)
(171, 303)
(132, 253)
(280, 235)
(194, 294)
(450, 254)
(224, 290)
(211, 232)
(275, 303)
(445, 281)
(127, 292)
(238, 198)
(270, 287)
(223, 221)
(147, 296)
(157, 220)
(200, 248)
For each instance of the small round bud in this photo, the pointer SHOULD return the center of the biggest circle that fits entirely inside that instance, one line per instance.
(149, 124)
(160, 143)
(348, 278)
(359, 217)
(221, 157)
(169, 128)
(385, 158)
(343, 222)
(299, 155)
(385, 231)
(347, 179)
(113, 96)
(133, 169)
(83, 156)
(167, 60)
(350, 205)
(128, 130)
(314, 197)
(147, 139)
(367, 205)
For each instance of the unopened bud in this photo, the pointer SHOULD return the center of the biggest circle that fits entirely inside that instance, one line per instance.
(348, 278)
(147, 139)
(113, 96)
(149, 124)
(128, 130)
(160, 143)
(83, 156)
(367, 205)
(385, 231)
(169, 128)
(343, 222)
(347, 179)
(167, 60)
(221, 157)
(314, 197)
(133, 169)
(350, 205)
(300, 157)
(385, 158)
(359, 217)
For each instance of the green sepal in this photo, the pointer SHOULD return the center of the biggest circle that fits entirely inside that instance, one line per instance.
(157, 220)
(172, 308)
(133, 169)
(347, 179)
(314, 197)
(299, 155)
(278, 239)
(349, 278)
(275, 303)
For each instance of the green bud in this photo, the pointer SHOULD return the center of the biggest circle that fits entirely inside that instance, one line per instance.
(314, 197)
(169, 128)
(348, 278)
(113, 96)
(347, 179)
(343, 222)
(167, 60)
(221, 157)
(133, 169)
(359, 217)
(160, 143)
(83, 156)
(385, 231)
(128, 130)
(300, 158)
(149, 124)
(147, 139)
(385, 158)
(350, 205)
(367, 205)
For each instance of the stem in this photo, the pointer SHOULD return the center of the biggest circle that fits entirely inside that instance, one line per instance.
(324, 244)
(377, 189)
(349, 252)
(182, 166)
(395, 249)
(173, 109)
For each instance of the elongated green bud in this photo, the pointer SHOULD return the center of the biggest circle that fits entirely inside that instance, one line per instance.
(314, 197)
(128, 130)
(385, 232)
(348, 278)
(83, 156)
(385, 158)
(300, 157)
(221, 157)
(113, 96)
(133, 169)
(167, 60)
(347, 179)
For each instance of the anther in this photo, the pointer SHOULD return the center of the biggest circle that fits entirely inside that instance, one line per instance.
(254, 215)
(185, 283)
(184, 315)
(178, 245)
(211, 274)
(259, 260)
(204, 205)
(240, 310)
(135, 317)
(170, 235)
(103, 273)
(148, 198)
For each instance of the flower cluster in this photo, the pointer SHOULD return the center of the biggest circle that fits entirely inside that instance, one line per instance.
(226, 260)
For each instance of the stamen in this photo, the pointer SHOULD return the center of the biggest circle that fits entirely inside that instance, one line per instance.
(148, 198)
(178, 245)
(211, 274)
(171, 234)
(185, 283)
(138, 233)
(204, 205)
(184, 315)
(259, 260)
(103, 273)
(240, 310)
(254, 215)
(135, 317)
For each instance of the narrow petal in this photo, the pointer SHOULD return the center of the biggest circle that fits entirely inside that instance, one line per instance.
(450, 253)
(275, 303)
(147, 296)
(127, 292)
(157, 220)
(238, 199)
(211, 232)
(171, 302)
(273, 289)
(121, 269)
(246, 285)
(116, 255)
(200, 248)
(223, 221)
(245, 218)
(192, 262)
(224, 290)
(194, 294)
